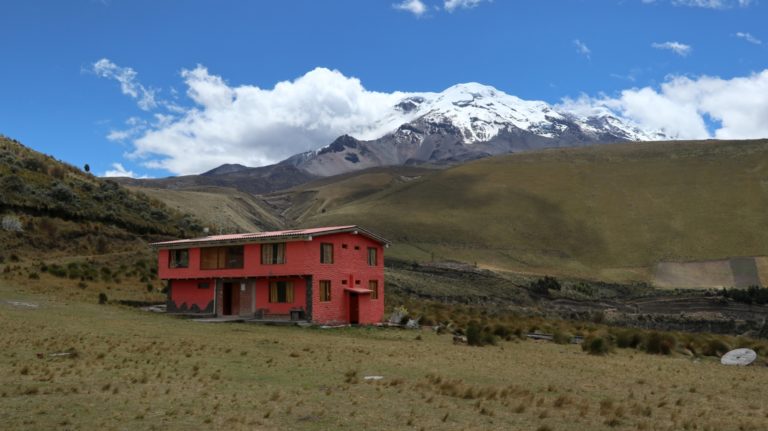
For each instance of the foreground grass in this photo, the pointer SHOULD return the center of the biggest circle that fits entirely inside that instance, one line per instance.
(135, 370)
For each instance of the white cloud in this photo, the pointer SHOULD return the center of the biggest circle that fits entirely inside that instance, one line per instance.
(451, 5)
(749, 38)
(681, 105)
(255, 126)
(118, 170)
(712, 4)
(582, 48)
(126, 76)
(678, 48)
(416, 7)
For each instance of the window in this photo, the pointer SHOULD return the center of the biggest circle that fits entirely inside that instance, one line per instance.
(221, 257)
(343, 281)
(372, 256)
(343, 246)
(281, 292)
(273, 254)
(373, 285)
(357, 282)
(179, 259)
(357, 247)
(326, 253)
(203, 285)
(325, 290)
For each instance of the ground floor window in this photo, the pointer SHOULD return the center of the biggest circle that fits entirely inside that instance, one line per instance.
(373, 285)
(281, 292)
(325, 290)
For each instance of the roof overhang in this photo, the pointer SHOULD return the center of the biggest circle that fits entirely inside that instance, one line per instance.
(358, 290)
(267, 237)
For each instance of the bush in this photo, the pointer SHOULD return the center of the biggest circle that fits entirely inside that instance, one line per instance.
(597, 345)
(476, 336)
(34, 276)
(628, 339)
(715, 347)
(542, 286)
(103, 298)
(660, 344)
(559, 337)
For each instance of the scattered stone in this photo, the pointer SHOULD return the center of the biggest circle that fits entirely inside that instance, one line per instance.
(373, 377)
(459, 339)
(412, 324)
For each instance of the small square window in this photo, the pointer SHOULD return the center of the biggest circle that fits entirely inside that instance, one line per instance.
(203, 285)
(343, 281)
(357, 247)
(343, 246)
(357, 281)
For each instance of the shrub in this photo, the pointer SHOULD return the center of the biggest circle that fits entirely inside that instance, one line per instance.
(476, 336)
(660, 344)
(559, 337)
(542, 286)
(103, 298)
(628, 339)
(597, 345)
(62, 193)
(34, 276)
(715, 347)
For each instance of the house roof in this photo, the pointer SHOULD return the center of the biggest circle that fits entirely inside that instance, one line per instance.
(280, 235)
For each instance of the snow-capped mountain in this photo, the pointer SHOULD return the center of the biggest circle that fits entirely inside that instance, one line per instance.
(464, 122)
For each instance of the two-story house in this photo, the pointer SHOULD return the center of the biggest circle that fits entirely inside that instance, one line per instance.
(327, 275)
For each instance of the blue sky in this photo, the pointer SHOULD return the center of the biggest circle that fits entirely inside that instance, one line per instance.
(590, 51)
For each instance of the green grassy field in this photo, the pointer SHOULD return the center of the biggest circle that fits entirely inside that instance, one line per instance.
(136, 370)
(605, 212)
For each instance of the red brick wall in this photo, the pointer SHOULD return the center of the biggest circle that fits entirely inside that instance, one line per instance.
(303, 258)
(187, 292)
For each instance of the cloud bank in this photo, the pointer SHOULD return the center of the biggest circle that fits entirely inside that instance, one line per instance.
(255, 127)
(736, 108)
(678, 48)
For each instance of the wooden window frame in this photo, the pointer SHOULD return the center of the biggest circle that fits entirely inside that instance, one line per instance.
(222, 257)
(375, 259)
(273, 253)
(373, 286)
(173, 261)
(289, 293)
(326, 253)
(325, 290)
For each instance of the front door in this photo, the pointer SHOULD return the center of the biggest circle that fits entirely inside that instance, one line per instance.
(230, 299)
(354, 308)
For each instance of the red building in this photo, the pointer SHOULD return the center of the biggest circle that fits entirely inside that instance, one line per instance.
(323, 275)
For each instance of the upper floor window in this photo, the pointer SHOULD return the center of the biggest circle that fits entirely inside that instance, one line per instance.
(326, 253)
(221, 257)
(272, 254)
(178, 259)
(372, 258)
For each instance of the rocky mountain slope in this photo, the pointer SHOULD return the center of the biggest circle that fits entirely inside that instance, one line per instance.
(466, 122)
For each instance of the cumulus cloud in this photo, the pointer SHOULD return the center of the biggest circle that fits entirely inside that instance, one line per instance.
(582, 48)
(749, 38)
(118, 170)
(129, 85)
(678, 48)
(681, 106)
(416, 7)
(451, 5)
(256, 126)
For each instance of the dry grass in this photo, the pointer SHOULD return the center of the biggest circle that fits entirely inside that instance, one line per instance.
(144, 371)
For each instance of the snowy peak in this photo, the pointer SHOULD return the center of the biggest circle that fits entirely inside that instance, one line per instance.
(480, 112)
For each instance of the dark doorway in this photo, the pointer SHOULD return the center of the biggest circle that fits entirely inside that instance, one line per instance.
(230, 303)
(354, 308)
